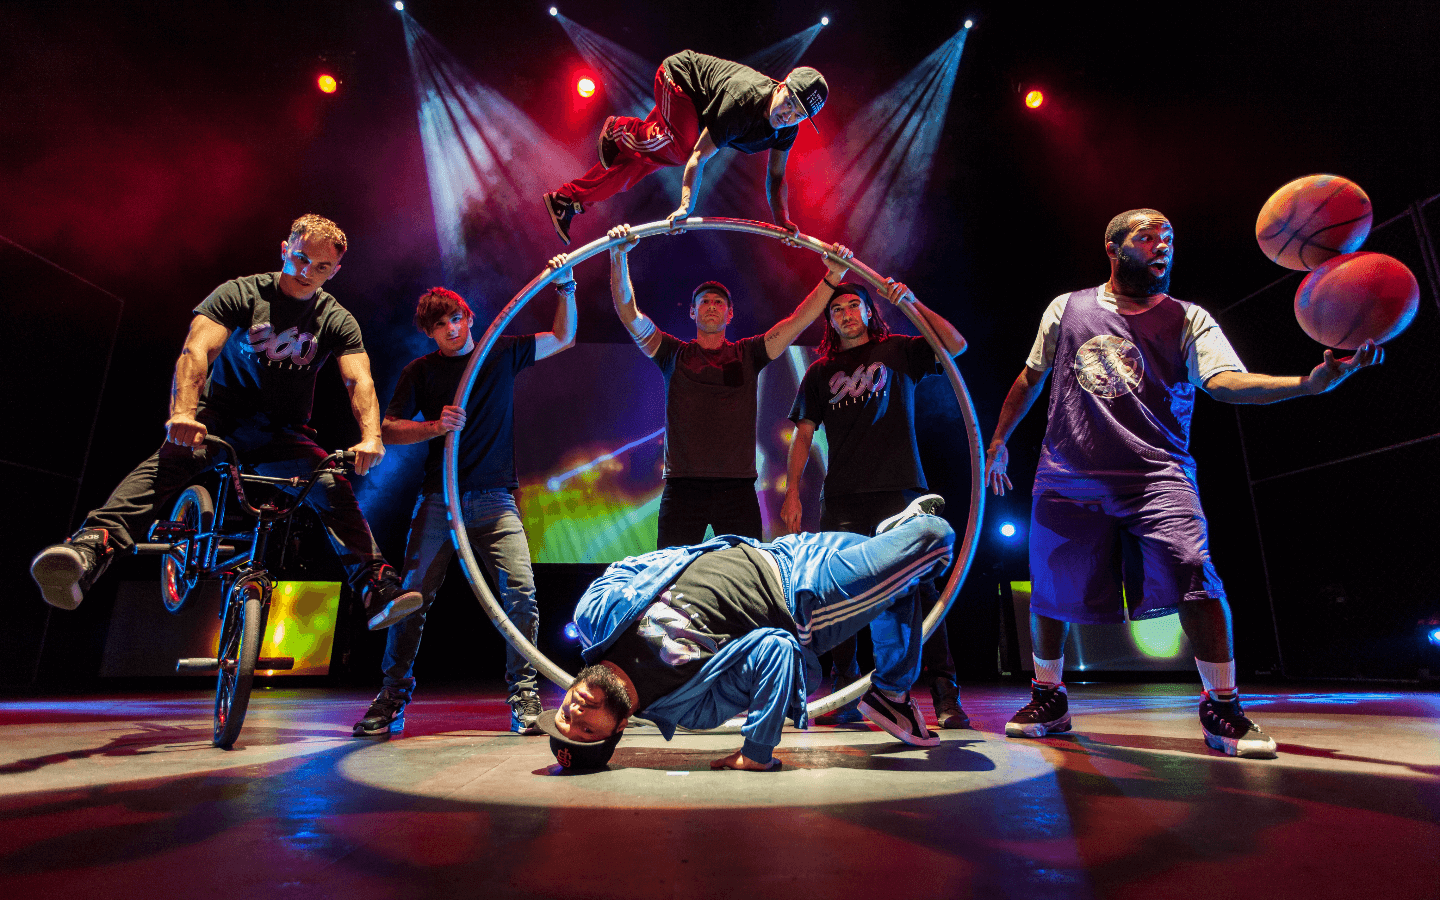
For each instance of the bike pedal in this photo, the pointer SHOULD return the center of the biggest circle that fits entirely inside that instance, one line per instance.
(197, 664)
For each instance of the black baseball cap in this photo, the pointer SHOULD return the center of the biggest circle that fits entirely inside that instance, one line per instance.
(809, 89)
(572, 754)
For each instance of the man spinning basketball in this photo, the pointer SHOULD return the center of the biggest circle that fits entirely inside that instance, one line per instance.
(1116, 466)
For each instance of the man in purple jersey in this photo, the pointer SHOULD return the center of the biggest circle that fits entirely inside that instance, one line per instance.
(1116, 473)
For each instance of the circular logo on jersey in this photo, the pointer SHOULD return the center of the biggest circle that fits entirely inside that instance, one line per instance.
(1108, 366)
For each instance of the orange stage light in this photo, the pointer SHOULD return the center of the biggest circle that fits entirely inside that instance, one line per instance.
(1034, 99)
(327, 83)
(585, 87)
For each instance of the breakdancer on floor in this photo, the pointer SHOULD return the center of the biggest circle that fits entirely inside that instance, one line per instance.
(690, 636)
(702, 105)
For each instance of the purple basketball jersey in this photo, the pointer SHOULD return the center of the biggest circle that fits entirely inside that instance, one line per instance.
(1120, 401)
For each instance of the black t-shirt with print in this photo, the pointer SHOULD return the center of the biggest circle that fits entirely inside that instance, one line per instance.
(865, 399)
(265, 373)
(487, 443)
(731, 100)
(722, 595)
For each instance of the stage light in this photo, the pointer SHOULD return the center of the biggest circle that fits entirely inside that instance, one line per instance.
(554, 11)
(572, 633)
(399, 7)
(585, 87)
(1008, 529)
(969, 23)
(1434, 637)
(1034, 99)
(327, 83)
(824, 20)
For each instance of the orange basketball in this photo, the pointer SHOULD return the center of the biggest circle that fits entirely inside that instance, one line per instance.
(1313, 219)
(1355, 298)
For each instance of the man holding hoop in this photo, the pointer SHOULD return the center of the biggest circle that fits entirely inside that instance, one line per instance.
(711, 398)
(862, 390)
(486, 472)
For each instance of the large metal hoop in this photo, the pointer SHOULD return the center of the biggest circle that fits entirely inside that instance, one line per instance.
(963, 557)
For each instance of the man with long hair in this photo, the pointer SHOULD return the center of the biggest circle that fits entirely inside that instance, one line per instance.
(862, 390)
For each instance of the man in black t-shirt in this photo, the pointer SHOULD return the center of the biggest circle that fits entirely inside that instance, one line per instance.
(862, 390)
(711, 399)
(247, 373)
(486, 471)
(702, 104)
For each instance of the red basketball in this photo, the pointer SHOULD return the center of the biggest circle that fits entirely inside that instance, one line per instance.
(1355, 298)
(1313, 219)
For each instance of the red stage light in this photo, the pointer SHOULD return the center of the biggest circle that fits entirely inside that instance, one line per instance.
(585, 87)
(1034, 99)
(327, 83)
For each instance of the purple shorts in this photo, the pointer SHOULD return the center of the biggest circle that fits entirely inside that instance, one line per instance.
(1084, 546)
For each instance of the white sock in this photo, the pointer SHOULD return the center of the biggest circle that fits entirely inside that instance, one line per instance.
(1218, 678)
(1049, 672)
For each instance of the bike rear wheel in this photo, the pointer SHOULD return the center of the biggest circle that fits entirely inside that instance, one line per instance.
(240, 634)
(196, 511)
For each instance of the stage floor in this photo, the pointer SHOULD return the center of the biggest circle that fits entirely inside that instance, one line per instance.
(124, 797)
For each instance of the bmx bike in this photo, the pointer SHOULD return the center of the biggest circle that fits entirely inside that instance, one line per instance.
(196, 545)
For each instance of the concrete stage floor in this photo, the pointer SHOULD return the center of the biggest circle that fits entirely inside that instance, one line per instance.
(124, 797)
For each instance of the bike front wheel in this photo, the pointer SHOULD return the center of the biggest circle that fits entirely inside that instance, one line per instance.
(240, 634)
(196, 511)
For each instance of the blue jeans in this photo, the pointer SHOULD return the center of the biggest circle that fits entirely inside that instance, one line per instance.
(492, 522)
(840, 582)
(862, 513)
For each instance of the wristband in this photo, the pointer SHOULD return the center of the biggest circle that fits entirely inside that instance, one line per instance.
(833, 287)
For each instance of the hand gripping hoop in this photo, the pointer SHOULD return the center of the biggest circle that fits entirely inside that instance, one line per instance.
(964, 557)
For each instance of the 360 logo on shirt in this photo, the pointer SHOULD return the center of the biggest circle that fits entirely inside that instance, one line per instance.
(865, 379)
(289, 345)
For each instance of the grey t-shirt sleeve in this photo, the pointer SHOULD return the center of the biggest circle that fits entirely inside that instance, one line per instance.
(1207, 350)
(1042, 352)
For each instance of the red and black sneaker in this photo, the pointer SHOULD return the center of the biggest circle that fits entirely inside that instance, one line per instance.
(65, 571)
(562, 209)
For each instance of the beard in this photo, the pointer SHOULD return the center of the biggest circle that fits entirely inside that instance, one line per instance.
(1135, 279)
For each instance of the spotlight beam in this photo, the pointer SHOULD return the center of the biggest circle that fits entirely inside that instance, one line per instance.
(888, 152)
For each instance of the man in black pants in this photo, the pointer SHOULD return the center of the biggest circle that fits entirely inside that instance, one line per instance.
(711, 399)
(862, 389)
(267, 336)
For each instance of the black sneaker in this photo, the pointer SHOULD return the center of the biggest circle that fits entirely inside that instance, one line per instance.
(525, 712)
(385, 716)
(1048, 712)
(607, 146)
(65, 571)
(945, 694)
(1227, 730)
(901, 718)
(562, 209)
(928, 505)
(389, 599)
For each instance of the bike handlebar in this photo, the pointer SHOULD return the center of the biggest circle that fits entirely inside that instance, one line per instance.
(341, 460)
